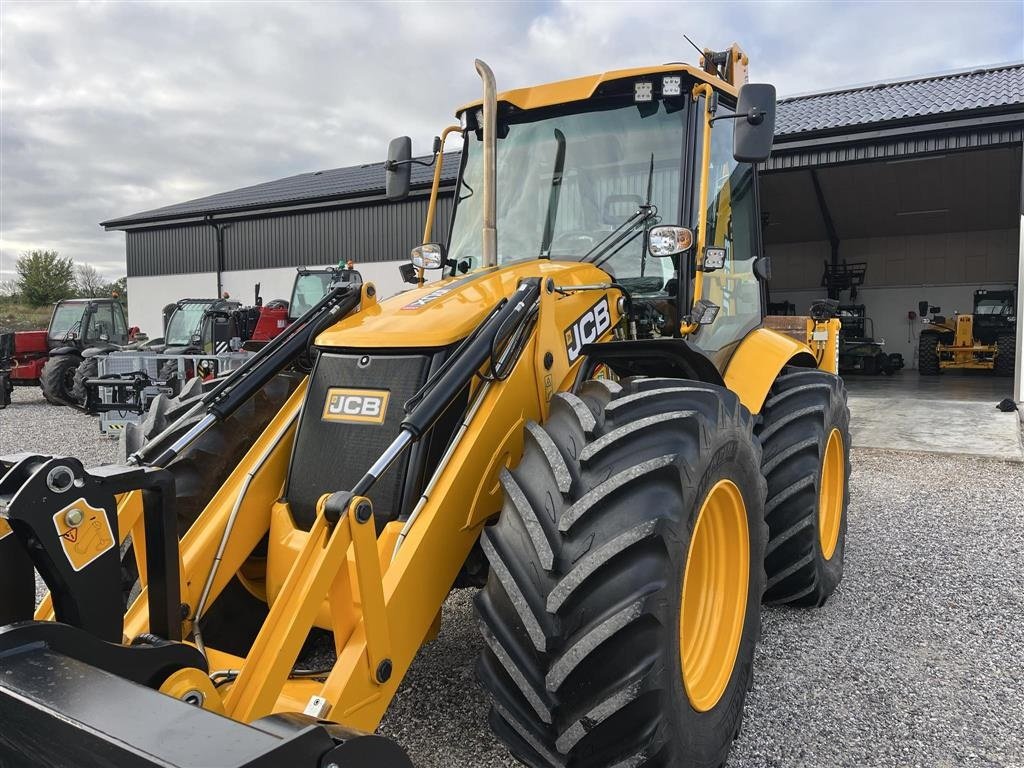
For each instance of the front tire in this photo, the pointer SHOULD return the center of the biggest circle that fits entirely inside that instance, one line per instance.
(57, 379)
(928, 354)
(805, 438)
(1006, 354)
(89, 369)
(589, 660)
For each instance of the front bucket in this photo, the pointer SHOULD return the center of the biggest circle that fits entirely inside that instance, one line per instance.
(57, 710)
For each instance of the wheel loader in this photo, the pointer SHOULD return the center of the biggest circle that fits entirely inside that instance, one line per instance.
(982, 339)
(585, 419)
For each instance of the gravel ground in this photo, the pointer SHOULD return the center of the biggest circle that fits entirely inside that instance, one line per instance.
(914, 662)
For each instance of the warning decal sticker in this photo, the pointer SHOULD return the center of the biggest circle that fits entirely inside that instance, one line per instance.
(84, 533)
(5, 528)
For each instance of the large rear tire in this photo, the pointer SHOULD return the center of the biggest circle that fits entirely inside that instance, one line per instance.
(805, 439)
(928, 354)
(57, 379)
(633, 507)
(88, 369)
(1006, 354)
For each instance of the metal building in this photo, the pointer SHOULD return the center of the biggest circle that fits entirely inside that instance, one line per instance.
(920, 179)
(260, 234)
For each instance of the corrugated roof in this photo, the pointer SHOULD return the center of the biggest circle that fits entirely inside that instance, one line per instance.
(919, 99)
(333, 184)
(979, 89)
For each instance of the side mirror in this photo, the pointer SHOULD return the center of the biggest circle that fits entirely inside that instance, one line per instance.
(428, 256)
(755, 124)
(397, 168)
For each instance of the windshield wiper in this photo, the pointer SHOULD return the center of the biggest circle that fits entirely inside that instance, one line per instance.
(625, 233)
(554, 195)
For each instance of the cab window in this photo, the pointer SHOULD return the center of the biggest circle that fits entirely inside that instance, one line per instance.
(120, 326)
(101, 324)
(731, 222)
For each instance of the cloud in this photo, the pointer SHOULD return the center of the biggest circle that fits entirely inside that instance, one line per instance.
(110, 109)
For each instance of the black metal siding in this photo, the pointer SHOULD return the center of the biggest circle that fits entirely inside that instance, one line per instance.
(784, 159)
(170, 251)
(366, 233)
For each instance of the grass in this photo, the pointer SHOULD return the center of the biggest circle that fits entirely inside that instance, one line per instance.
(15, 316)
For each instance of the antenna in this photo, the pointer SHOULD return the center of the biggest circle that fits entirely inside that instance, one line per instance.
(695, 46)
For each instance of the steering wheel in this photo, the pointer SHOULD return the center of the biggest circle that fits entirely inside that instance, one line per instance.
(575, 242)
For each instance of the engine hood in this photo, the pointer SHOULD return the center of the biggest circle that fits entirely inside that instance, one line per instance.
(446, 311)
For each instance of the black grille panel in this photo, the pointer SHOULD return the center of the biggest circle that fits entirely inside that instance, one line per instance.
(332, 456)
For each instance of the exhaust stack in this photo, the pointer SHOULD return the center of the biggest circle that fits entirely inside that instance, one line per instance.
(490, 104)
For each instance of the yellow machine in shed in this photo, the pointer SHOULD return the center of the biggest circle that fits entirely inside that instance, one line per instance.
(584, 417)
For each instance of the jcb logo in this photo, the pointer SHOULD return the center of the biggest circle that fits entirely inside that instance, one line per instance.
(362, 406)
(588, 328)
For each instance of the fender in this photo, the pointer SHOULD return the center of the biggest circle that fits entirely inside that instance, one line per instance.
(64, 351)
(99, 350)
(675, 358)
(757, 362)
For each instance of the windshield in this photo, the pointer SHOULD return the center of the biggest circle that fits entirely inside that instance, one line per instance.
(566, 182)
(992, 307)
(67, 317)
(308, 290)
(185, 320)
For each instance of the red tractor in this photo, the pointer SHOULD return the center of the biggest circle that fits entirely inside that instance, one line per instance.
(310, 286)
(50, 358)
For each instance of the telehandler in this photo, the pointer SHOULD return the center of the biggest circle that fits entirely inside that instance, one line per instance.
(586, 418)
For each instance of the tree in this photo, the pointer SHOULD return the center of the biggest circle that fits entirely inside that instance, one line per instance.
(120, 287)
(89, 283)
(45, 277)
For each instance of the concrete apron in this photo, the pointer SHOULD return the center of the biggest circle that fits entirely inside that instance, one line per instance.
(899, 422)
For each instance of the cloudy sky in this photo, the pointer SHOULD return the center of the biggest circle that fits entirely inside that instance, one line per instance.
(110, 108)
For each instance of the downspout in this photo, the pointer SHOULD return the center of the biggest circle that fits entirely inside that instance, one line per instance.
(490, 104)
(1018, 371)
(830, 228)
(219, 227)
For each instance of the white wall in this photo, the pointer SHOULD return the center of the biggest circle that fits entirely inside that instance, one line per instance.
(148, 295)
(888, 308)
(943, 269)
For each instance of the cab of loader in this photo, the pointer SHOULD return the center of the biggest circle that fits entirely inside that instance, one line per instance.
(597, 180)
(82, 323)
(994, 314)
(311, 285)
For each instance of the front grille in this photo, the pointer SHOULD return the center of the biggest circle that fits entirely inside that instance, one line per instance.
(333, 455)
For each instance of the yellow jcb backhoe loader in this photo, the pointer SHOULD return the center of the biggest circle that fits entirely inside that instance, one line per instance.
(585, 418)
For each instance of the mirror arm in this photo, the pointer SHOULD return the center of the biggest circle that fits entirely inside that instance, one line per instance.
(754, 116)
(391, 165)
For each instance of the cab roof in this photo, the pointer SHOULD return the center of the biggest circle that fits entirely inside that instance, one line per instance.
(582, 88)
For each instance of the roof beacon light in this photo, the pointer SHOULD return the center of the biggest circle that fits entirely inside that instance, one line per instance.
(643, 90)
(671, 85)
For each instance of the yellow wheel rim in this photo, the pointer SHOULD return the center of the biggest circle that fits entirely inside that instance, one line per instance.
(830, 502)
(714, 601)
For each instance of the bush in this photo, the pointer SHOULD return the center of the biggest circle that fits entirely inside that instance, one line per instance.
(45, 277)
